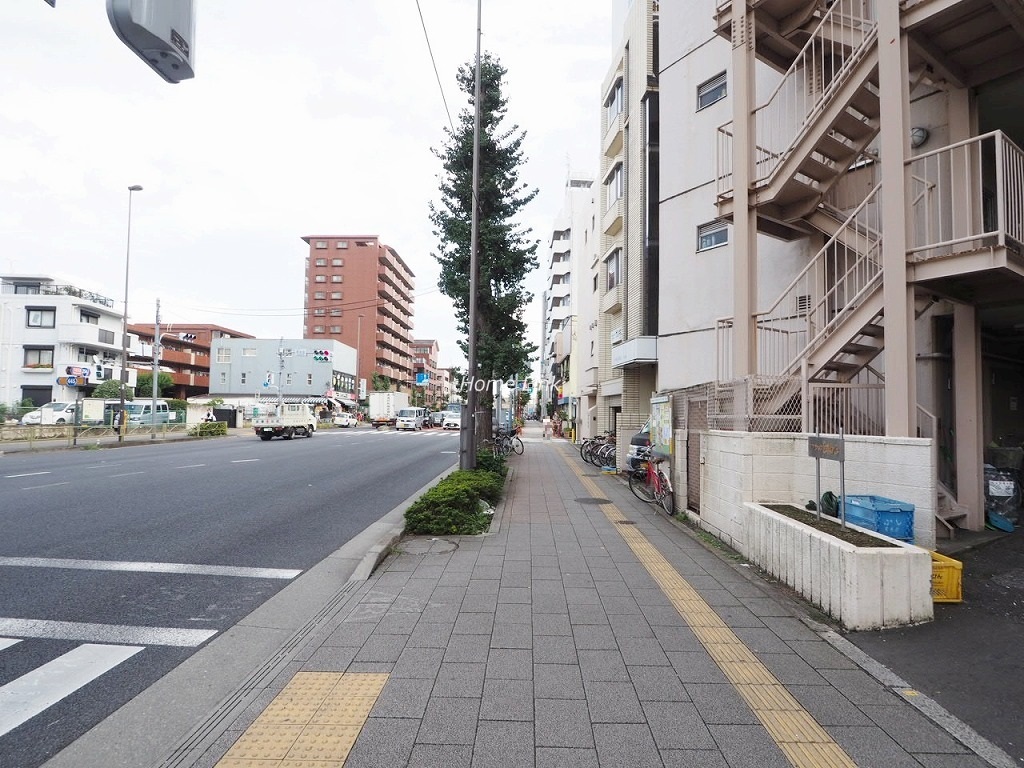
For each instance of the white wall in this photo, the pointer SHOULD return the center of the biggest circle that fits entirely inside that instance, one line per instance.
(742, 467)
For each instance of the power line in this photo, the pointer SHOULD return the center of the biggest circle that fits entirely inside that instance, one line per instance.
(433, 63)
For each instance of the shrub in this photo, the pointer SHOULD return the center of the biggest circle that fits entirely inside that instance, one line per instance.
(454, 505)
(489, 462)
(208, 429)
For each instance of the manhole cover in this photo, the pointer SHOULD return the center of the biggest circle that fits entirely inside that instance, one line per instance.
(591, 500)
(1013, 579)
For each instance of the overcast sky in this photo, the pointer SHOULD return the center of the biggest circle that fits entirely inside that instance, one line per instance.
(306, 117)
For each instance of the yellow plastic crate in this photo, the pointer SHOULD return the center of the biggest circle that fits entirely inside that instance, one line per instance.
(946, 579)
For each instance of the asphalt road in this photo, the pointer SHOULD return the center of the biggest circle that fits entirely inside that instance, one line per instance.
(123, 562)
(970, 659)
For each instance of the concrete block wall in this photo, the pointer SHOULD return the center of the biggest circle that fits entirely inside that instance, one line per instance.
(744, 467)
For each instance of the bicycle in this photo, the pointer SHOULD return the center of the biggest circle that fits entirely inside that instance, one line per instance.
(509, 441)
(591, 444)
(649, 483)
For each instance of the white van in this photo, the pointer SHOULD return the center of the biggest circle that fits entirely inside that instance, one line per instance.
(411, 418)
(57, 413)
(141, 412)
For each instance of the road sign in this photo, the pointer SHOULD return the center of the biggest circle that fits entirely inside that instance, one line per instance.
(422, 379)
(75, 370)
(68, 381)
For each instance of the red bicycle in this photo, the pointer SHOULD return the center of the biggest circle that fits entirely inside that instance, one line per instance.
(649, 483)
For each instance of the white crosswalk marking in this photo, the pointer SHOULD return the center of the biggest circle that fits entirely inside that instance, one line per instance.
(145, 567)
(7, 642)
(111, 633)
(30, 694)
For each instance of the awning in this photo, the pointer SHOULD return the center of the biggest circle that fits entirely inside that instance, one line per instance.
(346, 402)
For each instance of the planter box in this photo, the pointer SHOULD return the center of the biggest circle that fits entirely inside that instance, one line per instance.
(860, 587)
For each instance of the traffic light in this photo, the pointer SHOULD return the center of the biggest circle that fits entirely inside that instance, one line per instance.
(160, 32)
(322, 355)
(187, 336)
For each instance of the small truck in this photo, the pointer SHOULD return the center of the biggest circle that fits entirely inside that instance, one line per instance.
(284, 420)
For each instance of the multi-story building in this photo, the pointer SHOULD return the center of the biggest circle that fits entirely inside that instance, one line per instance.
(425, 368)
(359, 291)
(49, 330)
(570, 361)
(627, 273)
(184, 352)
(308, 369)
(851, 255)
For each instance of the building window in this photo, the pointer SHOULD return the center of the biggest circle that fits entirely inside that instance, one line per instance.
(248, 351)
(320, 295)
(321, 262)
(104, 336)
(336, 312)
(320, 312)
(38, 357)
(711, 91)
(318, 329)
(309, 379)
(86, 355)
(341, 244)
(243, 378)
(335, 329)
(337, 278)
(288, 379)
(614, 103)
(336, 295)
(223, 354)
(40, 317)
(224, 377)
(320, 279)
(612, 263)
(595, 283)
(89, 317)
(337, 262)
(614, 186)
(712, 235)
(321, 244)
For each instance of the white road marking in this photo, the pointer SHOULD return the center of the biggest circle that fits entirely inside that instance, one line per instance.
(48, 485)
(190, 466)
(102, 466)
(105, 633)
(144, 567)
(32, 693)
(28, 474)
(443, 452)
(7, 642)
(242, 461)
(127, 474)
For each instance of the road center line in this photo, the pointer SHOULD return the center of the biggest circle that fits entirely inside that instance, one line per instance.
(30, 694)
(48, 485)
(190, 466)
(126, 474)
(27, 474)
(242, 461)
(105, 633)
(189, 569)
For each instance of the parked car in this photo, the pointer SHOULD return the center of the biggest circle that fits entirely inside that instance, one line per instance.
(410, 418)
(452, 421)
(345, 419)
(641, 440)
(437, 418)
(32, 417)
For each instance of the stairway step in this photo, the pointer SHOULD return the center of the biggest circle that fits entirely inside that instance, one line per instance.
(852, 348)
(840, 153)
(867, 103)
(949, 518)
(840, 367)
(854, 128)
(817, 170)
(873, 330)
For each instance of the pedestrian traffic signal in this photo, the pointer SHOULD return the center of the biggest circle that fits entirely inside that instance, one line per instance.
(322, 355)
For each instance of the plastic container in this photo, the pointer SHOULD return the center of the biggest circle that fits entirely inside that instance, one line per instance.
(889, 517)
(946, 579)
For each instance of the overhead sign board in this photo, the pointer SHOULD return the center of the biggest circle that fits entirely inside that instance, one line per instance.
(72, 381)
(422, 379)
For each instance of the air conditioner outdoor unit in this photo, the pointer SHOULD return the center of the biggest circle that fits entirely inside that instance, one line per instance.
(99, 374)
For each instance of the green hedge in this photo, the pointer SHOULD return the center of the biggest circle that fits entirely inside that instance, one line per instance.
(208, 429)
(453, 506)
(487, 460)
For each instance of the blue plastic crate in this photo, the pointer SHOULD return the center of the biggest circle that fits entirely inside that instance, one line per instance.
(886, 516)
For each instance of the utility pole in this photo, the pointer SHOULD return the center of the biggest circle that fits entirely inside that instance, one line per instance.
(282, 353)
(156, 366)
(467, 442)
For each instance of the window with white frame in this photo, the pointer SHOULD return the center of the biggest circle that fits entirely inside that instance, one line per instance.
(712, 235)
(309, 379)
(318, 329)
(336, 295)
(711, 91)
(335, 329)
(615, 186)
(89, 317)
(321, 244)
(321, 262)
(248, 351)
(244, 377)
(337, 279)
(341, 244)
(335, 311)
(40, 317)
(612, 265)
(320, 312)
(613, 104)
(320, 279)
(337, 262)
(224, 377)
(320, 295)
(38, 357)
(223, 354)
(288, 379)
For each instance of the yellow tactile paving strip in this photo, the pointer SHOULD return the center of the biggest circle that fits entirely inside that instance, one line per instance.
(312, 723)
(804, 742)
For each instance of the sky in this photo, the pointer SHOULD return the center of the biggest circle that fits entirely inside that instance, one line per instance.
(306, 117)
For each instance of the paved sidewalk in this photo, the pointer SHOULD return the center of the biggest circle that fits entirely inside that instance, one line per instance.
(586, 629)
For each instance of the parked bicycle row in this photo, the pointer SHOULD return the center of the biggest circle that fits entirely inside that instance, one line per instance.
(647, 480)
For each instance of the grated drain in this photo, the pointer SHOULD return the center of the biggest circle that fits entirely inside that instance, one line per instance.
(591, 500)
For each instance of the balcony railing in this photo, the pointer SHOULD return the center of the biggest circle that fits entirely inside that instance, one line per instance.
(967, 196)
(49, 289)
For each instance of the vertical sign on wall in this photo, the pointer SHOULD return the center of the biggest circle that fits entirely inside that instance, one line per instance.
(661, 424)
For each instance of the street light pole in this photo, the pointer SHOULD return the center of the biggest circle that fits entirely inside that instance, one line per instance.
(359, 346)
(123, 427)
(156, 366)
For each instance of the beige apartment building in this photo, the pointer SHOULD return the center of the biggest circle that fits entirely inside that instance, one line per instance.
(359, 291)
(425, 353)
(842, 189)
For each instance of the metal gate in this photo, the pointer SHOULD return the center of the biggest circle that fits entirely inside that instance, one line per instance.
(696, 424)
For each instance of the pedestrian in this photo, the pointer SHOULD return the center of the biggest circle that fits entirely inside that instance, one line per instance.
(209, 415)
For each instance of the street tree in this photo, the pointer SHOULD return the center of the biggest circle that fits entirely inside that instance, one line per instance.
(144, 385)
(111, 389)
(506, 254)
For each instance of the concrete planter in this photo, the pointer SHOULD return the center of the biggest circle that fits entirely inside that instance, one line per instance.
(861, 587)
